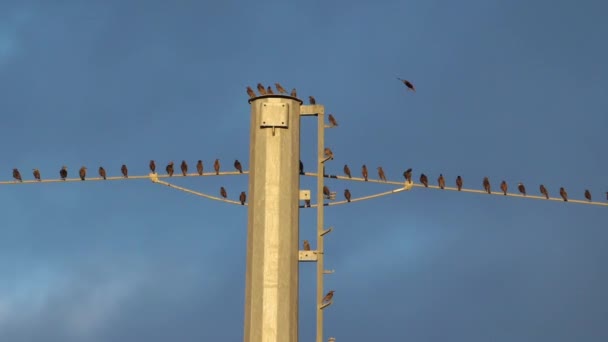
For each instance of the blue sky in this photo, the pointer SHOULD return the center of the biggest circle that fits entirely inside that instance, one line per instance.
(512, 90)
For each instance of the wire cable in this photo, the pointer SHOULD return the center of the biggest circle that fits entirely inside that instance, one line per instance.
(156, 181)
(358, 199)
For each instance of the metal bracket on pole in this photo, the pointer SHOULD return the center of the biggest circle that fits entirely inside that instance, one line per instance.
(307, 256)
(327, 231)
(153, 177)
(408, 185)
(329, 271)
(323, 306)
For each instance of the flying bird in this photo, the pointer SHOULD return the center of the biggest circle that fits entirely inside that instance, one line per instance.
(243, 197)
(237, 165)
(408, 175)
(486, 185)
(503, 187)
(17, 175)
(82, 173)
(184, 168)
(269, 91)
(347, 195)
(152, 166)
(424, 180)
(347, 171)
(102, 172)
(36, 174)
(261, 89)
(588, 195)
(124, 171)
(332, 120)
(408, 84)
(459, 183)
(199, 167)
(564, 194)
(223, 192)
(328, 153)
(521, 188)
(301, 168)
(441, 181)
(280, 89)
(250, 92)
(364, 172)
(544, 191)
(306, 245)
(312, 100)
(169, 169)
(381, 174)
(328, 296)
(63, 173)
(294, 93)
(326, 192)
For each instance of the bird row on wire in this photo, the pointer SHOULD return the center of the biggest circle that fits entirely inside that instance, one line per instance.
(82, 173)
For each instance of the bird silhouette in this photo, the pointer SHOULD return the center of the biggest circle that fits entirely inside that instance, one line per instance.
(521, 188)
(223, 192)
(306, 245)
(408, 175)
(544, 191)
(82, 173)
(408, 84)
(237, 165)
(347, 171)
(261, 89)
(441, 181)
(199, 167)
(381, 174)
(184, 168)
(301, 168)
(243, 197)
(424, 180)
(152, 166)
(486, 185)
(280, 89)
(36, 174)
(564, 194)
(170, 169)
(364, 172)
(347, 195)
(17, 175)
(332, 120)
(503, 187)
(312, 100)
(250, 92)
(294, 93)
(102, 172)
(63, 173)
(328, 297)
(216, 166)
(588, 195)
(269, 91)
(307, 203)
(326, 192)
(459, 183)
(124, 171)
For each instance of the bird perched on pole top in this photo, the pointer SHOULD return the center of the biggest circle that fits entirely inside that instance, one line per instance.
(250, 92)
(124, 171)
(261, 89)
(243, 197)
(184, 168)
(237, 165)
(521, 188)
(328, 297)
(82, 172)
(312, 100)
(280, 89)
(36, 174)
(170, 169)
(408, 84)
(102, 172)
(306, 245)
(17, 175)
(199, 167)
(216, 166)
(332, 120)
(269, 91)
(63, 173)
(294, 93)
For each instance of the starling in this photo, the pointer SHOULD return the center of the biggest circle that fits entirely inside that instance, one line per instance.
(237, 165)
(294, 93)
(63, 173)
(36, 174)
(17, 175)
(199, 167)
(312, 100)
(408, 175)
(223, 192)
(326, 192)
(306, 245)
(332, 120)
(424, 180)
(280, 89)
(152, 166)
(82, 173)
(588, 195)
(250, 92)
(544, 191)
(347, 171)
(459, 183)
(261, 89)
(408, 84)
(503, 187)
(102, 173)
(307, 202)
(124, 171)
(169, 169)
(441, 181)
(381, 174)
(216, 166)
(269, 91)
(301, 168)
(243, 197)
(564, 194)
(328, 296)
(486, 185)
(364, 172)
(184, 168)
(521, 188)
(347, 195)
(328, 153)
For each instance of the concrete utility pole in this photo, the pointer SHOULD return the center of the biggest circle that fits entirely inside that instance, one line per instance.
(271, 288)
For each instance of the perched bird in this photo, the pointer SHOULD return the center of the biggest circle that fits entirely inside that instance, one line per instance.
(124, 171)
(102, 172)
(607, 195)
(169, 169)
(261, 89)
(347, 171)
(237, 165)
(280, 89)
(588, 195)
(486, 185)
(364, 172)
(347, 195)
(544, 191)
(408, 84)
(269, 91)
(82, 173)
(216, 166)
(63, 173)
(326, 192)
(223, 192)
(250, 92)
(312, 100)
(332, 120)
(243, 197)
(152, 166)
(17, 175)
(408, 175)
(381, 174)
(503, 187)
(199, 167)
(328, 153)
(459, 183)
(521, 188)
(306, 245)
(441, 181)
(301, 168)
(424, 180)
(307, 203)
(184, 168)
(564, 194)
(294, 93)
(36, 174)
(328, 296)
